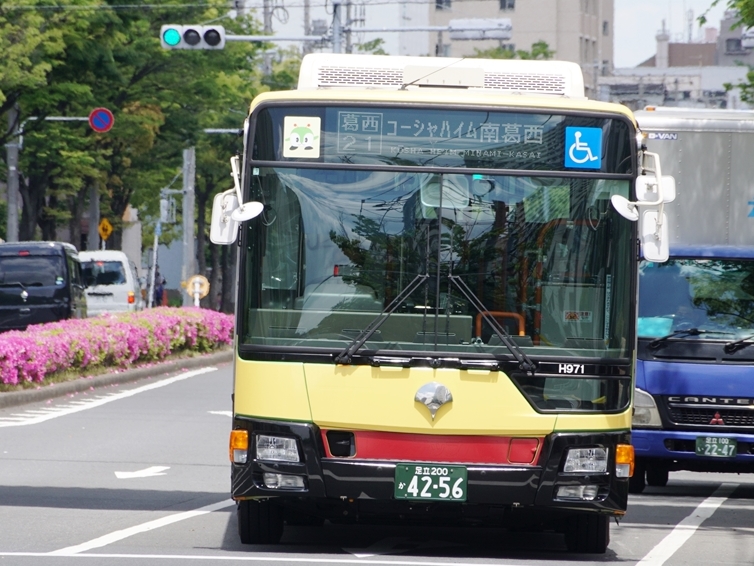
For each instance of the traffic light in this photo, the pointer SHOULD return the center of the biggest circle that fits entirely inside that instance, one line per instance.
(174, 36)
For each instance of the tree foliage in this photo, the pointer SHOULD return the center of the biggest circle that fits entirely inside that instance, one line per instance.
(539, 50)
(745, 9)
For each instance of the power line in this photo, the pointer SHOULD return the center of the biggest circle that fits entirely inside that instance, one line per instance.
(176, 7)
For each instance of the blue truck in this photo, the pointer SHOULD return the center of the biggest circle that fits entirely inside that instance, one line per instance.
(694, 396)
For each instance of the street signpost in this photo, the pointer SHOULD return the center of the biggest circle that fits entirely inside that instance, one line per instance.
(198, 287)
(101, 120)
(105, 229)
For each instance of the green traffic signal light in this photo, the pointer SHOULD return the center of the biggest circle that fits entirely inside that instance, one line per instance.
(191, 36)
(171, 37)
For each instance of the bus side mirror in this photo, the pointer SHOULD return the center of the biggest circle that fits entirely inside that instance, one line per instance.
(652, 192)
(223, 228)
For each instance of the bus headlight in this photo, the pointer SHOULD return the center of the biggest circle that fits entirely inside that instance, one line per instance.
(277, 448)
(646, 414)
(586, 460)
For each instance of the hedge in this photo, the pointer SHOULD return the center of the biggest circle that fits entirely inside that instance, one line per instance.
(109, 341)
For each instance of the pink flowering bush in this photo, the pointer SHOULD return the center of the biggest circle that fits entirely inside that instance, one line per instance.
(114, 340)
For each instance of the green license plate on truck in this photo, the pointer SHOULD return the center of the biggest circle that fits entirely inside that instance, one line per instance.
(430, 482)
(716, 446)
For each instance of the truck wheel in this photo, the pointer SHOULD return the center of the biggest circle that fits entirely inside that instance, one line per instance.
(636, 483)
(588, 534)
(657, 477)
(260, 521)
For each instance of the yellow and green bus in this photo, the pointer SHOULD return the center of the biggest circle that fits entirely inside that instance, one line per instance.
(436, 297)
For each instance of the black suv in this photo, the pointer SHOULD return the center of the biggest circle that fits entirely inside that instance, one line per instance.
(39, 282)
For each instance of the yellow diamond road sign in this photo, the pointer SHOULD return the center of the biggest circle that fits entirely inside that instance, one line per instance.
(105, 228)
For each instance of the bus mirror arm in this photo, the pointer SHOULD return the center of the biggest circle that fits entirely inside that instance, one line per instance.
(245, 210)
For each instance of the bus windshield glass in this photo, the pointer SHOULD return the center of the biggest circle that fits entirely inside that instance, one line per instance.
(332, 249)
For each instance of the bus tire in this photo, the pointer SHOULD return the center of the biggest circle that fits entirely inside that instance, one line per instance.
(260, 521)
(657, 477)
(588, 534)
(637, 483)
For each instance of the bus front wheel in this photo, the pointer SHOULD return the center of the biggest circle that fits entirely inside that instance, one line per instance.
(260, 521)
(588, 534)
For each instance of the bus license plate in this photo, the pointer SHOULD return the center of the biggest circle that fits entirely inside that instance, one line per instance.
(716, 446)
(430, 482)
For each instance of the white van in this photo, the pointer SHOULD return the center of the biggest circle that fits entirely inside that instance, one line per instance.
(112, 282)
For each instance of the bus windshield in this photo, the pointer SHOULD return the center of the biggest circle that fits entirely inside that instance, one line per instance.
(545, 257)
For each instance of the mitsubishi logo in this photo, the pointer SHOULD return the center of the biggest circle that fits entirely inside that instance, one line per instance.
(434, 395)
(717, 419)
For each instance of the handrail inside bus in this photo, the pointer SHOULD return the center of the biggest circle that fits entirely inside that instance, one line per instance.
(500, 314)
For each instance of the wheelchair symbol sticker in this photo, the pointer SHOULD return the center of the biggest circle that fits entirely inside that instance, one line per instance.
(583, 148)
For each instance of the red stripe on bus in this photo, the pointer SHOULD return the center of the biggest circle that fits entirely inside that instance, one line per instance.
(394, 446)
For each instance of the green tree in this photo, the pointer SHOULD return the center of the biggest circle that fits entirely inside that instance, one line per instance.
(539, 50)
(745, 9)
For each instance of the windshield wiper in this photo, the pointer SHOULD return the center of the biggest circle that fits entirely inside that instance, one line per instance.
(525, 363)
(731, 347)
(346, 355)
(657, 342)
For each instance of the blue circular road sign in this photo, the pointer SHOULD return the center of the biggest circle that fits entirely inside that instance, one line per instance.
(101, 120)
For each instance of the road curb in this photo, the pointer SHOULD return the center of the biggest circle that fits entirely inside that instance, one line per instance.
(157, 370)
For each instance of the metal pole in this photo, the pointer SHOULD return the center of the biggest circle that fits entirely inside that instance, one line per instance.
(337, 28)
(153, 271)
(92, 239)
(11, 149)
(189, 259)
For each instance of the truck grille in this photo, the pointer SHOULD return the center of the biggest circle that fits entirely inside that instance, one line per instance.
(711, 417)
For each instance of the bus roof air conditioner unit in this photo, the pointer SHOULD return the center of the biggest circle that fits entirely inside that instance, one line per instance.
(346, 71)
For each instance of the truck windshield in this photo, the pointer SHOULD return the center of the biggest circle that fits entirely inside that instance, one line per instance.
(703, 294)
(547, 258)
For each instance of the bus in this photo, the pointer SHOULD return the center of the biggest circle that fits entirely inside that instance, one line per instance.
(436, 297)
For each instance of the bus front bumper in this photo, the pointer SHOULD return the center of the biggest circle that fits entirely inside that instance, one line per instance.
(342, 484)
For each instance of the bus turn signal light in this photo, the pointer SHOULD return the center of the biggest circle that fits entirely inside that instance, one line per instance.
(624, 460)
(239, 446)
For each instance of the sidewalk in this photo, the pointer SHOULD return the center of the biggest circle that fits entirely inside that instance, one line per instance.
(156, 370)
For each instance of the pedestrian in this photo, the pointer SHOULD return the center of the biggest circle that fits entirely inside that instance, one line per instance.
(159, 287)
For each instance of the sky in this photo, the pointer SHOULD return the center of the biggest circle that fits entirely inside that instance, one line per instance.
(638, 21)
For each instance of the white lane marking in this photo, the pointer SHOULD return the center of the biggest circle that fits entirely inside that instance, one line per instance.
(143, 528)
(686, 528)
(34, 418)
(397, 545)
(145, 473)
(222, 413)
(257, 558)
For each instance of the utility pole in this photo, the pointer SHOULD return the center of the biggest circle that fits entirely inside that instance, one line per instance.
(189, 259)
(11, 149)
(92, 239)
(337, 27)
(307, 26)
(267, 19)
